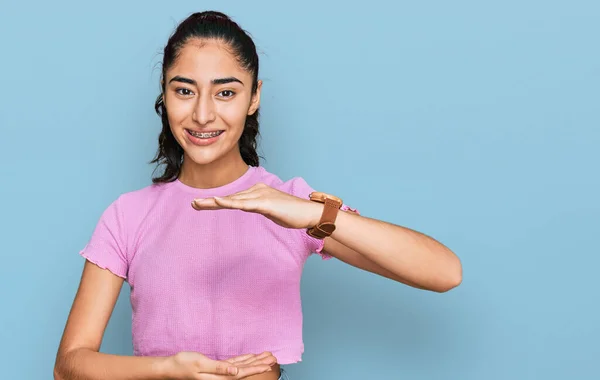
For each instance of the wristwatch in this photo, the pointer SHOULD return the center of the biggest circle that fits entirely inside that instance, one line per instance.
(326, 225)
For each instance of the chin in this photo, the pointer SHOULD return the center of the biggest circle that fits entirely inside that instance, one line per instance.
(209, 155)
(203, 158)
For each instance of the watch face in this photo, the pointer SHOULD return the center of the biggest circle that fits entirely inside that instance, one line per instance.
(320, 197)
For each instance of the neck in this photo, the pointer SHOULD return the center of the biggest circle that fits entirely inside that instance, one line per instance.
(215, 174)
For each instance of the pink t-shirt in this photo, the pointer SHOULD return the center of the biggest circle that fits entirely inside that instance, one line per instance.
(218, 282)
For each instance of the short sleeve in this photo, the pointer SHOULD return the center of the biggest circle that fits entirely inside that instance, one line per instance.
(302, 189)
(107, 245)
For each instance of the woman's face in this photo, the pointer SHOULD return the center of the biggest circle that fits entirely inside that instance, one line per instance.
(207, 97)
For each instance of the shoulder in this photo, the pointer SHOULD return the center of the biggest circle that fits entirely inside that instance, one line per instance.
(112, 244)
(144, 195)
(134, 205)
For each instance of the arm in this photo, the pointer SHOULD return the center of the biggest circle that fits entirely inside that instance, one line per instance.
(78, 357)
(355, 259)
(395, 252)
(383, 248)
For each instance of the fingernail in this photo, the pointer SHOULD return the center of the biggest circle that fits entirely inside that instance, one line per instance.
(232, 370)
(198, 200)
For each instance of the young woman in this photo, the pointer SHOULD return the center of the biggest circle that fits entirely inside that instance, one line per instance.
(213, 250)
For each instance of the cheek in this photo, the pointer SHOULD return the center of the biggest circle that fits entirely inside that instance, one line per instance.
(234, 114)
(177, 112)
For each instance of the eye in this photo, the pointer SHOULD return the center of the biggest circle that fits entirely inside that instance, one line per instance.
(184, 91)
(226, 94)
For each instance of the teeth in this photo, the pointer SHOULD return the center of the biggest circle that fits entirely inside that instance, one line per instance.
(205, 135)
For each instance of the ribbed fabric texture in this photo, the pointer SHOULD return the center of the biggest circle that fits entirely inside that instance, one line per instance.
(219, 282)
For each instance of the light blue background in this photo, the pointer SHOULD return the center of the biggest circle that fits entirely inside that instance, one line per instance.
(475, 123)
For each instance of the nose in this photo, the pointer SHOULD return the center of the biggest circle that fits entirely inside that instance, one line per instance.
(204, 111)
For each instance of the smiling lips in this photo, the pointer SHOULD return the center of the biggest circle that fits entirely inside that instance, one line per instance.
(204, 135)
(203, 138)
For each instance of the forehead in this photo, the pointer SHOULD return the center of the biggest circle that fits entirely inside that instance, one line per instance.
(204, 60)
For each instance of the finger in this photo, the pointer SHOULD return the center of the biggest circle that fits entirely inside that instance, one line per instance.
(264, 354)
(240, 358)
(239, 204)
(264, 358)
(259, 188)
(255, 370)
(242, 196)
(270, 361)
(205, 204)
(248, 358)
(217, 367)
(251, 189)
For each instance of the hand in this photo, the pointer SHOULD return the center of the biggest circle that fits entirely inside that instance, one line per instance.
(195, 366)
(282, 208)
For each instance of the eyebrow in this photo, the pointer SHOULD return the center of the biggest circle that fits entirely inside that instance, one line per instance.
(226, 80)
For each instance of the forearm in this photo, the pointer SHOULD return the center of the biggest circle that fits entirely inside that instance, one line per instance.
(413, 256)
(86, 364)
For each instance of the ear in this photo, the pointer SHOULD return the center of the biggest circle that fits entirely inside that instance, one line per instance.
(255, 101)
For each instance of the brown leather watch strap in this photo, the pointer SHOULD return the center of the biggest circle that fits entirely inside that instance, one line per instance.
(326, 225)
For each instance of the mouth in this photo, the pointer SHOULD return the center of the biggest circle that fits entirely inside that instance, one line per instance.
(204, 135)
